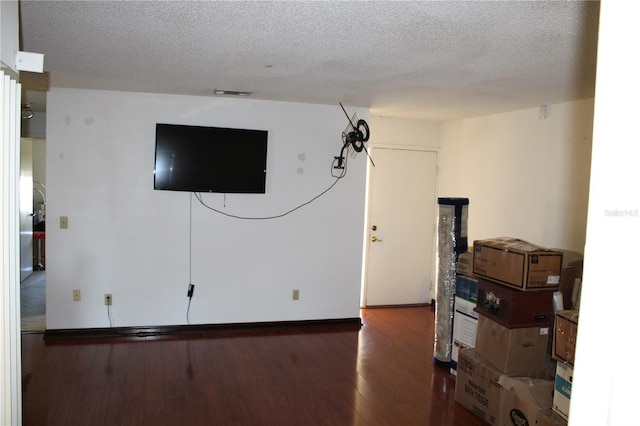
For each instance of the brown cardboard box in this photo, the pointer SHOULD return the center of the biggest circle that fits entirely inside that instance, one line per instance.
(524, 399)
(465, 263)
(513, 351)
(517, 263)
(564, 336)
(477, 386)
(571, 270)
(514, 308)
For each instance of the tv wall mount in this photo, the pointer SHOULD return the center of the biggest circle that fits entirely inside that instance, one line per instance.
(354, 137)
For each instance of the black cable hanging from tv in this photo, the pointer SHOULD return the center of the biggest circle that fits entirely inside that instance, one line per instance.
(198, 196)
(353, 138)
(190, 288)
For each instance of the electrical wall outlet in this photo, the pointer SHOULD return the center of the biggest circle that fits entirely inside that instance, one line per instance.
(76, 295)
(108, 299)
(64, 222)
(296, 294)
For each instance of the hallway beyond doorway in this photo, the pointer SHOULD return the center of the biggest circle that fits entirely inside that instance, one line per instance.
(32, 303)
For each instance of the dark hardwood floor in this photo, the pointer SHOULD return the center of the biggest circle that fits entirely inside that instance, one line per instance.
(380, 374)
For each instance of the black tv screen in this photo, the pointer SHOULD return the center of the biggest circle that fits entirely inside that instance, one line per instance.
(210, 159)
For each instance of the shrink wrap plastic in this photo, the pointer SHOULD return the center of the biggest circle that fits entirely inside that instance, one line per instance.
(445, 286)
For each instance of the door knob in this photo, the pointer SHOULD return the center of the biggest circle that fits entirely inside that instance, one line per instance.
(375, 239)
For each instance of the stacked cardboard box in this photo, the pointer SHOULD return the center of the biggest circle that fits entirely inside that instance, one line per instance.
(514, 308)
(465, 263)
(501, 399)
(525, 400)
(477, 386)
(515, 303)
(562, 390)
(465, 318)
(515, 351)
(571, 274)
(517, 263)
(516, 282)
(564, 348)
(565, 336)
(565, 333)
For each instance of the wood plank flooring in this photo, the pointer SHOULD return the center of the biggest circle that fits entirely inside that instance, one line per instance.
(380, 374)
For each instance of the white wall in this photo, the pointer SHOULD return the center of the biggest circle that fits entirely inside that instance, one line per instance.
(126, 239)
(387, 131)
(525, 177)
(605, 376)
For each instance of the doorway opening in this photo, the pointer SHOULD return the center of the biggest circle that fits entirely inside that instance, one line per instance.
(33, 191)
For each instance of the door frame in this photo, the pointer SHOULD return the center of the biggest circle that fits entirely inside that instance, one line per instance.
(367, 217)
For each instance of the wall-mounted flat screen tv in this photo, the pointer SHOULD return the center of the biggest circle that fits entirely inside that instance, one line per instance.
(210, 159)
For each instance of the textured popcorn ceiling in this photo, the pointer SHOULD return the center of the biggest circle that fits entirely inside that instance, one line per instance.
(430, 60)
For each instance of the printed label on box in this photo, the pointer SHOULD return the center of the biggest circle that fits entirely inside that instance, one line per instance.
(563, 386)
(562, 390)
(478, 388)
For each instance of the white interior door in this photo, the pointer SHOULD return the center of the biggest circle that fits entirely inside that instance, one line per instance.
(402, 201)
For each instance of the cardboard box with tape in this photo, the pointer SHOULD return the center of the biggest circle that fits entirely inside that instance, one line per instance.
(517, 263)
(514, 351)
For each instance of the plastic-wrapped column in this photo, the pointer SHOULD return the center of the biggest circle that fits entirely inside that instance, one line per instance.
(445, 286)
(452, 240)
